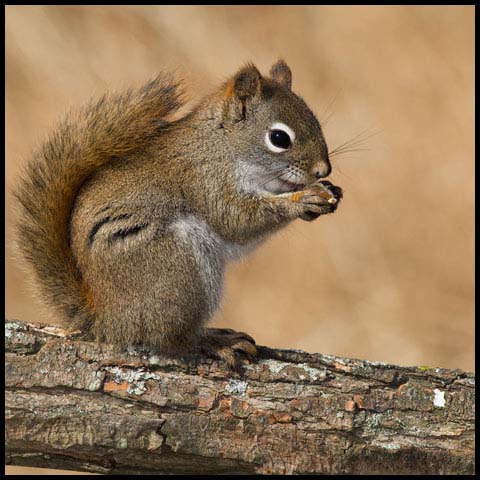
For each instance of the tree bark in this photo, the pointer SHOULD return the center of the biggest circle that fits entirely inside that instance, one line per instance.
(78, 405)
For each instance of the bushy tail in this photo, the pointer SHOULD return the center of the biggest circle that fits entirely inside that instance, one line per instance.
(114, 126)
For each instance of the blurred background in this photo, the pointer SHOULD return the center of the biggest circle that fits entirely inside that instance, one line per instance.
(390, 276)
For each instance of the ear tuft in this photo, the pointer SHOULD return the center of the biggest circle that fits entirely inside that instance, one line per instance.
(281, 73)
(246, 82)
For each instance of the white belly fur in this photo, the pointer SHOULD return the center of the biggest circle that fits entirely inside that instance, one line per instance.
(211, 252)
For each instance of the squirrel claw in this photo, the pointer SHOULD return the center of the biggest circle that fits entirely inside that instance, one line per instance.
(226, 344)
(322, 197)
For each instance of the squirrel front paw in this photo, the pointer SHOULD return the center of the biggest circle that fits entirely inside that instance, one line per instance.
(227, 345)
(318, 199)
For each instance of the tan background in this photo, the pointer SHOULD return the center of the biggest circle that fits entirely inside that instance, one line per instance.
(390, 276)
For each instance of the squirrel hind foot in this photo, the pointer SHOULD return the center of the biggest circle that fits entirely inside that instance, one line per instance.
(230, 346)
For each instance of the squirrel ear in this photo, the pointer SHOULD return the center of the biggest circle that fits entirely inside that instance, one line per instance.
(239, 90)
(246, 82)
(281, 73)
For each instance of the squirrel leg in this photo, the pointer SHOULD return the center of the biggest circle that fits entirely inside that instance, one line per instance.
(253, 216)
(145, 290)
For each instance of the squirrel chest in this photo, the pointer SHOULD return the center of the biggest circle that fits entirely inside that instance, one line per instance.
(210, 251)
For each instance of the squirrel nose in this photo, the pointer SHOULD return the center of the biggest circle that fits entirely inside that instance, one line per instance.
(322, 170)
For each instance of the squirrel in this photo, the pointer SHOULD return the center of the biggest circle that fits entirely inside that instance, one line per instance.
(129, 216)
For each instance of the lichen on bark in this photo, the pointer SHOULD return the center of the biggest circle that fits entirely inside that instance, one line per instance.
(77, 405)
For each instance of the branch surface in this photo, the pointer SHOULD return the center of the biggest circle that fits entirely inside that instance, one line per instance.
(78, 405)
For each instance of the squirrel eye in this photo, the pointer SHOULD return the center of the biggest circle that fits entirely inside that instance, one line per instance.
(279, 138)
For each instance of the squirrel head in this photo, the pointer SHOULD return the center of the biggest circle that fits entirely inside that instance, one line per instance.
(272, 135)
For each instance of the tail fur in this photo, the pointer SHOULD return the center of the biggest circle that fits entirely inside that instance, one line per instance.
(114, 126)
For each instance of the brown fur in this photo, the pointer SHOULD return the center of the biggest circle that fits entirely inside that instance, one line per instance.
(128, 219)
(114, 126)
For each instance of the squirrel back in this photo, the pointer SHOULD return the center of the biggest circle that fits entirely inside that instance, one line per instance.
(116, 125)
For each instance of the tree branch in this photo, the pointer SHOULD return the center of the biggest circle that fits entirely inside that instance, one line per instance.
(77, 405)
